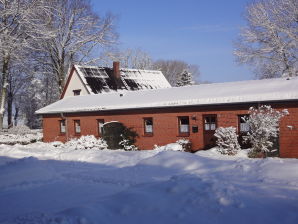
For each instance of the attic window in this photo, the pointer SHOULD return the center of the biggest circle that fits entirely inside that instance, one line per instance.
(76, 92)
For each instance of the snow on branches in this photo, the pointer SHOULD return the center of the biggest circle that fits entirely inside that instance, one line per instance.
(264, 127)
(269, 42)
(227, 141)
(185, 79)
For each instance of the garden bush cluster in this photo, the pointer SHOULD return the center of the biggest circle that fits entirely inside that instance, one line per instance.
(263, 125)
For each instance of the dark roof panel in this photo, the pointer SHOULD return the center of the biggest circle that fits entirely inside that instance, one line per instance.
(101, 79)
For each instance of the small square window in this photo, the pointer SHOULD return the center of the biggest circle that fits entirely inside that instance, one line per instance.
(148, 125)
(76, 92)
(77, 125)
(183, 123)
(62, 126)
(209, 122)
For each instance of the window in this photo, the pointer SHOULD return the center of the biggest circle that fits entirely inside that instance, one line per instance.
(76, 92)
(148, 125)
(62, 126)
(243, 126)
(100, 123)
(210, 122)
(77, 125)
(183, 125)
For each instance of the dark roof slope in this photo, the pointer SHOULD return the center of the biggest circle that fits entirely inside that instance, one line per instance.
(101, 79)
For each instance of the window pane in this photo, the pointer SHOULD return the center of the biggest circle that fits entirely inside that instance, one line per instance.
(207, 120)
(212, 127)
(148, 128)
(100, 126)
(207, 127)
(243, 118)
(244, 127)
(184, 128)
(148, 122)
(77, 127)
(62, 126)
(184, 120)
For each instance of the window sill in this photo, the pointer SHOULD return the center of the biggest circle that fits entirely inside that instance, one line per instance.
(148, 135)
(62, 134)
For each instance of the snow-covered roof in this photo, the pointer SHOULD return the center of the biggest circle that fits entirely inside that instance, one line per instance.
(205, 94)
(100, 79)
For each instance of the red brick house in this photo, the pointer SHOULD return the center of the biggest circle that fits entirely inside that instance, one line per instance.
(163, 116)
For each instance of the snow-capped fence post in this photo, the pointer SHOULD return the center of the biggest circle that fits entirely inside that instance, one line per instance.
(264, 129)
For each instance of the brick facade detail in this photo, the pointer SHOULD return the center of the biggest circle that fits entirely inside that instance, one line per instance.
(165, 124)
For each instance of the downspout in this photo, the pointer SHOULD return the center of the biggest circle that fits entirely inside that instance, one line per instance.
(66, 125)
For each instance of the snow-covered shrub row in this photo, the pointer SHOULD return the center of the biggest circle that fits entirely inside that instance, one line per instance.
(264, 128)
(19, 130)
(84, 142)
(227, 141)
(20, 135)
(23, 139)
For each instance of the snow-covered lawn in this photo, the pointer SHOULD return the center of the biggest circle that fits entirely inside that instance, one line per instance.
(43, 184)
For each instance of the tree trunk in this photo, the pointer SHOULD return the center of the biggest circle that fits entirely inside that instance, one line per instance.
(4, 89)
(9, 109)
(16, 116)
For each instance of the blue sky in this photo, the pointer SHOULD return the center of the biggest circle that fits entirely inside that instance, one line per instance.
(199, 32)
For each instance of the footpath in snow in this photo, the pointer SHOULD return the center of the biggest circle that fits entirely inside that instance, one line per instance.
(43, 184)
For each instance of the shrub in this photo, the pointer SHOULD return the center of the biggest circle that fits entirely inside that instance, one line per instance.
(264, 128)
(19, 130)
(227, 141)
(24, 139)
(87, 142)
(127, 144)
(185, 144)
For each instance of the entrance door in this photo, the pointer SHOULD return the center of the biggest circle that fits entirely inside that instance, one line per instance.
(210, 124)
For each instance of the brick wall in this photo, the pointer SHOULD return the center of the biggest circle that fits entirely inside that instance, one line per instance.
(165, 123)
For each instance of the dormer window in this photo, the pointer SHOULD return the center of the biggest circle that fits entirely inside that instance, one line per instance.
(76, 92)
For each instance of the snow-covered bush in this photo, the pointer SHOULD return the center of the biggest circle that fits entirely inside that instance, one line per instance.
(23, 139)
(227, 141)
(19, 130)
(185, 144)
(86, 142)
(264, 128)
(127, 144)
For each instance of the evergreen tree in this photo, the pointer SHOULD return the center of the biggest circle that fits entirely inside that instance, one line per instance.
(185, 79)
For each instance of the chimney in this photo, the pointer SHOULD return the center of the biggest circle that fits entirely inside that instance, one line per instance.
(116, 70)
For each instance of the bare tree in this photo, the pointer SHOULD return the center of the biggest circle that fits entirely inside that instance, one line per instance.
(270, 41)
(18, 29)
(132, 58)
(17, 82)
(79, 34)
(172, 69)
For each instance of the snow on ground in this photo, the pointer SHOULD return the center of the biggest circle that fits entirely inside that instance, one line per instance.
(43, 184)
